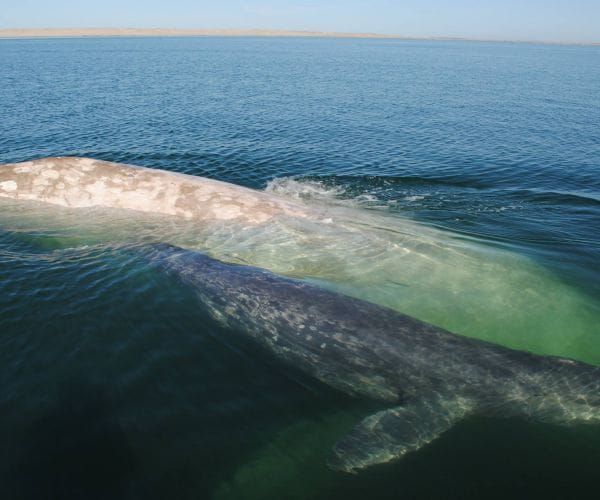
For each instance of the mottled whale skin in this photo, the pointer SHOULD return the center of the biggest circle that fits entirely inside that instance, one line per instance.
(429, 378)
(85, 182)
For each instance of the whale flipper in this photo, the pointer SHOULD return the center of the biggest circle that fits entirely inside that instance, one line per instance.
(389, 434)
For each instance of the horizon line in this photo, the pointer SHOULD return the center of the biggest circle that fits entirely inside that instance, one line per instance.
(258, 32)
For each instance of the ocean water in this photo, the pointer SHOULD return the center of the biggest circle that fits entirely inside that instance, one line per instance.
(459, 182)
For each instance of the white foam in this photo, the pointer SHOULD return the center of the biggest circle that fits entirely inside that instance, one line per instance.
(414, 198)
(303, 190)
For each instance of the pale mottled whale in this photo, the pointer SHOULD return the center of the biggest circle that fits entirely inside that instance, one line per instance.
(429, 378)
(85, 182)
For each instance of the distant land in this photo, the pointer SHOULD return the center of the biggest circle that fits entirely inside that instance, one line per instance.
(92, 32)
(176, 32)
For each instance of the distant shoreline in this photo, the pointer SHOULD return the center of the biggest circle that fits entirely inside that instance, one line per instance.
(166, 32)
(148, 32)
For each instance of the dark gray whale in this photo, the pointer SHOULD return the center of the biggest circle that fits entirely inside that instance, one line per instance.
(429, 377)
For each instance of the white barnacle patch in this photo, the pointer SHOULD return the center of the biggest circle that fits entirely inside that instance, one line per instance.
(323, 345)
(72, 177)
(49, 174)
(227, 212)
(87, 165)
(118, 180)
(8, 186)
(99, 186)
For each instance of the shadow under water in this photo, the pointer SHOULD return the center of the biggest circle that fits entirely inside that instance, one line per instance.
(76, 450)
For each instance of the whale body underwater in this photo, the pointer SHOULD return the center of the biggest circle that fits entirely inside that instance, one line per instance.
(426, 378)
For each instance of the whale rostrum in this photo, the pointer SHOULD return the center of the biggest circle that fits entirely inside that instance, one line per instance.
(428, 378)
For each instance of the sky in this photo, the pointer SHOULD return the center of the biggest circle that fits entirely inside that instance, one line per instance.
(543, 20)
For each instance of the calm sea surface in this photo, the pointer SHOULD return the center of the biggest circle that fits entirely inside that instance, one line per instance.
(461, 185)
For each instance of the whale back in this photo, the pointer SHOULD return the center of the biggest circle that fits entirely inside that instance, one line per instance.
(85, 182)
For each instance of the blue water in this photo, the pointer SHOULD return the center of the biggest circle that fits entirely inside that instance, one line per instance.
(114, 385)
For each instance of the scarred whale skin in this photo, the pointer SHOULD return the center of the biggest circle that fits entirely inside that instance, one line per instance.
(428, 377)
(85, 182)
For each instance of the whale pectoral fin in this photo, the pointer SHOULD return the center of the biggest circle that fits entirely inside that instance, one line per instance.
(390, 434)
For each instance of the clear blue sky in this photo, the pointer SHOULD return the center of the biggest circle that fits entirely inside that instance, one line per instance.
(552, 20)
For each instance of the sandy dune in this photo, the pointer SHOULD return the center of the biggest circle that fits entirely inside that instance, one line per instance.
(95, 32)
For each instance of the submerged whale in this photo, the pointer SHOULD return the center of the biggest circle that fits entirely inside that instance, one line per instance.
(429, 378)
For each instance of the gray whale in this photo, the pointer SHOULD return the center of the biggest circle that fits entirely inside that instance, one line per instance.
(85, 182)
(428, 378)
